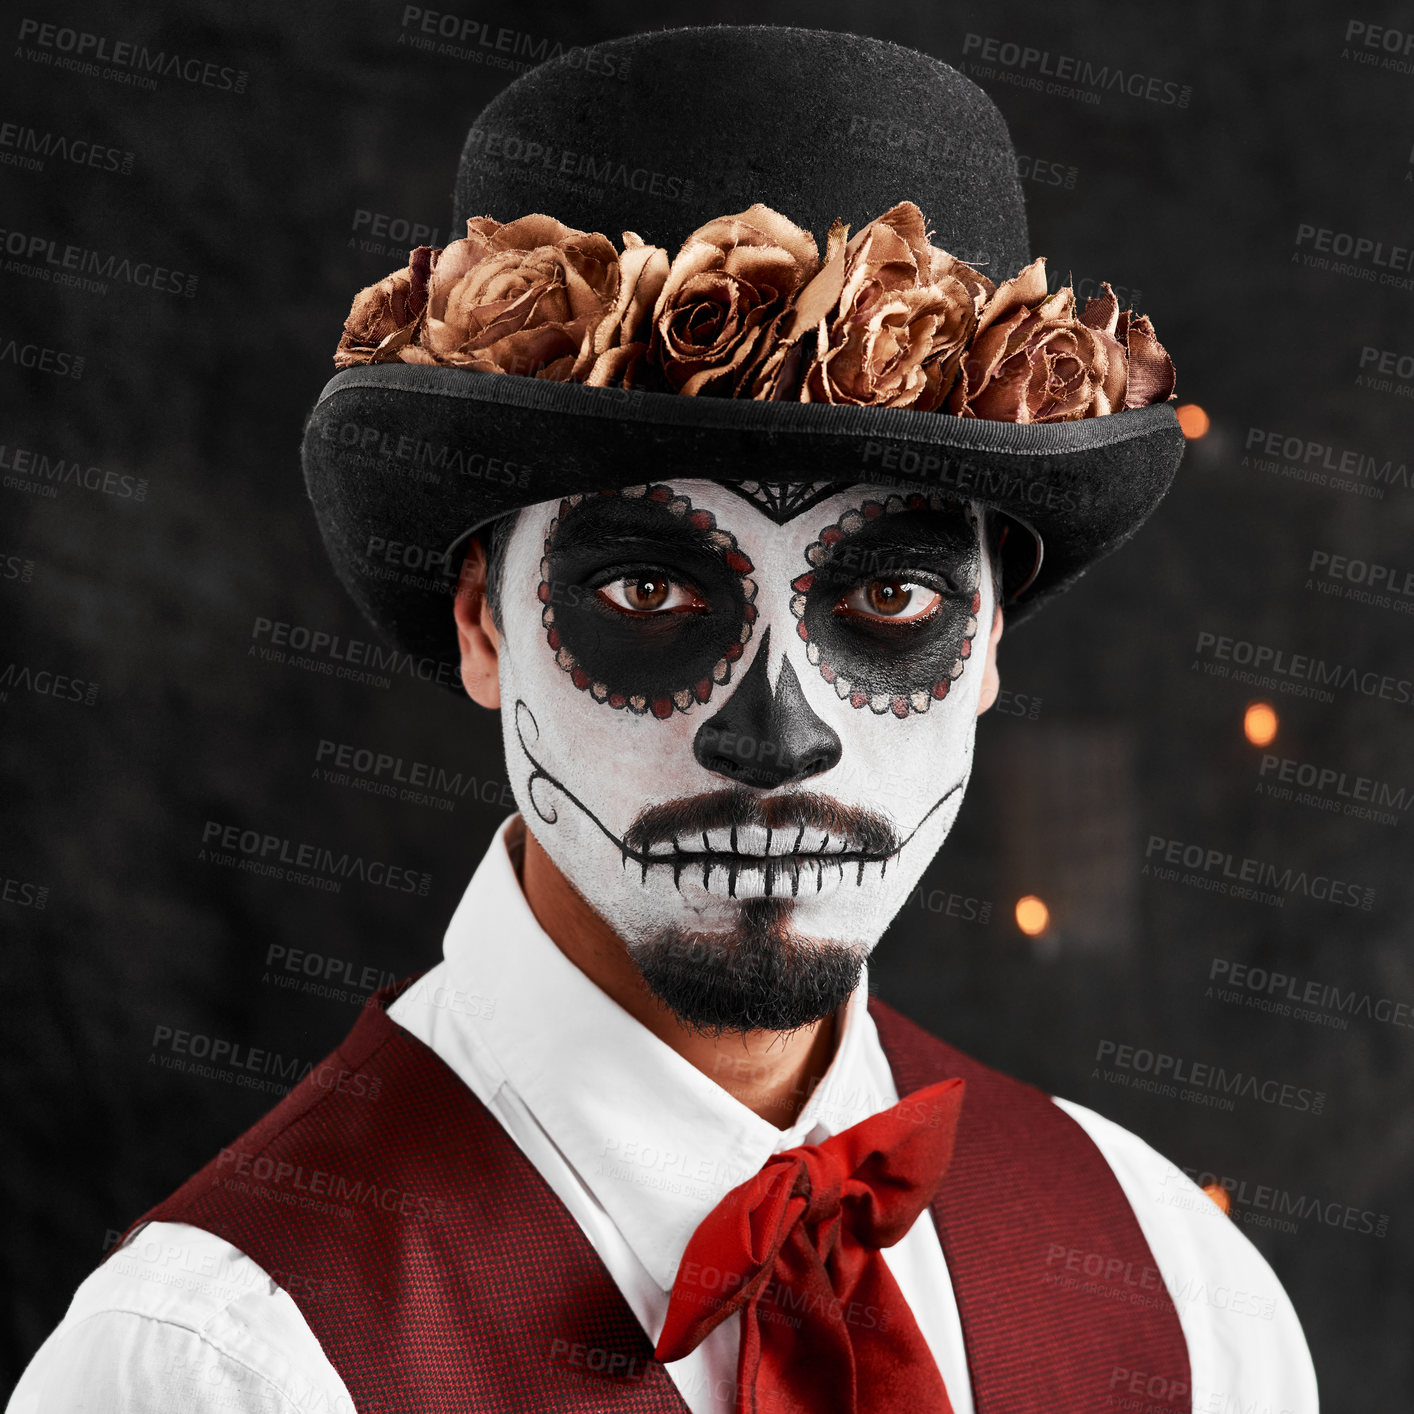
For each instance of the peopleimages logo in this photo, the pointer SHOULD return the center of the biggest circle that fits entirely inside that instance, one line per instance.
(210, 1057)
(1285, 778)
(84, 52)
(41, 358)
(441, 32)
(44, 682)
(376, 447)
(287, 1182)
(397, 230)
(1165, 1073)
(336, 656)
(1031, 66)
(1379, 46)
(1282, 991)
(1398, 579)
(1221, 871)
(1268, 1205)
(22, 893)
(1299, 674)
(260, 852)
(29, 148)
(1395, 370)
(413, 782)
(42, 257)
(923, 471)
(1323, 463)
(602, 168)
(37, 471)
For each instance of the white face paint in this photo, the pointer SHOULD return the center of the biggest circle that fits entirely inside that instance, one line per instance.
(704, 707)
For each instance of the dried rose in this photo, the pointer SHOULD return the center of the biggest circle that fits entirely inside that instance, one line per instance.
(384, 316)
(614, 348)
(517, 298)
(733, 279)
(898, 313)
(1151, 372)
(978, 288)
(1032, 360)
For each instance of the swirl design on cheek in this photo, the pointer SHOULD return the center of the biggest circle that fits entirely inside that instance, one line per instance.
(547, 813)
(646, 663)
(907, 676)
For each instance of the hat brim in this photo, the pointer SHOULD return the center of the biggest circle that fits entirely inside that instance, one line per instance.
(404, 461)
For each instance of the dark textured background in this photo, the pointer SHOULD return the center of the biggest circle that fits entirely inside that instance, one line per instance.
(1197, 208)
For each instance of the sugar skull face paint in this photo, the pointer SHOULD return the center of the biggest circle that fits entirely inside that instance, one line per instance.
(680, 743)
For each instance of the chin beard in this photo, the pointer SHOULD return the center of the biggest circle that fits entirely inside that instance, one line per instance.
(762, 976)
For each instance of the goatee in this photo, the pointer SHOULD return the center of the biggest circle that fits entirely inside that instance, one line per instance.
(761, 976)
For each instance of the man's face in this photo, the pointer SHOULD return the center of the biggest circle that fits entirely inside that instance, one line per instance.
(742, 734)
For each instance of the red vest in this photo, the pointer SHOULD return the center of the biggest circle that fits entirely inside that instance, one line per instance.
(440, 1272)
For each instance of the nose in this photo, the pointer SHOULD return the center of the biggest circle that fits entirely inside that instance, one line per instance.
(763, 738)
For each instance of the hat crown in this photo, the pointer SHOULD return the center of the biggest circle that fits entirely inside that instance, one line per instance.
(659, 133)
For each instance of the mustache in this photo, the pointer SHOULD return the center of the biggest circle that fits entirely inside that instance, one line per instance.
(804, 823)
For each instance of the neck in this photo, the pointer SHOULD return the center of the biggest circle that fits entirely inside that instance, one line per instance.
(770, 1072)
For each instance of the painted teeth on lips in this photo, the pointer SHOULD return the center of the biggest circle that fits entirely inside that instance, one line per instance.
(754, 842)
(796, 877)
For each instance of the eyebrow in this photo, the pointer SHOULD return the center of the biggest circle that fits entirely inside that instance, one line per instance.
(954, 539)
(619, 520)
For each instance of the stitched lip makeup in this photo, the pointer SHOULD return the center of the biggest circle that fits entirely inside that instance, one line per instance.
(743, 845)
(763, 861)
(750, 846)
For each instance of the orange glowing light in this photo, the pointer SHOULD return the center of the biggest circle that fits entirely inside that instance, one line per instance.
(1259, 723)
(1032, 916)
(1219, 1195)
(1193, 420)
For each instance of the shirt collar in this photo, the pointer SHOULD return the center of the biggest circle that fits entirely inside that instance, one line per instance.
(656, 1141)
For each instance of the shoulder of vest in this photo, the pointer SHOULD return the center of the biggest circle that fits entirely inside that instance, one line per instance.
(1027, 1196)
(360, 1128)
(381, 1178)
(918, 1058)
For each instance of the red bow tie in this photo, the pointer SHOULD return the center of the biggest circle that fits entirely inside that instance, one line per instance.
(825, 1328)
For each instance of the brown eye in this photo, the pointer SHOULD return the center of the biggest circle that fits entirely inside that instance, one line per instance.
(651, 594)
(645, 594)
(899, 600)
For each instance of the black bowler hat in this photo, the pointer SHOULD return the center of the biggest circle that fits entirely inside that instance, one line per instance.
(658, 134)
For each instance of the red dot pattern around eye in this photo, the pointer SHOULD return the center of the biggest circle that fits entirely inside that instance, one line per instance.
(721, 673)
(820, 551)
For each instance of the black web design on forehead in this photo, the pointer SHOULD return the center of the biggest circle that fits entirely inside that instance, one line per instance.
(892, 538)
(782, 500)
(615, 659)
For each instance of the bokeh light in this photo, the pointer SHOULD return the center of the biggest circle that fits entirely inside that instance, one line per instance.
(1193, 420)
(1032, 916)
(1259, 723)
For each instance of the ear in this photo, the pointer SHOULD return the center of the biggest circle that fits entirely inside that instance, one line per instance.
(991, 679)
(476, 631)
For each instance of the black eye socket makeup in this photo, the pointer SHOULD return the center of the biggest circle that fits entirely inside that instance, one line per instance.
(644, 661)
(919, 547)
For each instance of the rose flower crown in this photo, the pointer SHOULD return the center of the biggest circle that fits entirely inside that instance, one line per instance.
(747, 309)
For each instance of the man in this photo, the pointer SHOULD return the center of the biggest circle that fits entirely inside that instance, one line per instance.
(642, 1140)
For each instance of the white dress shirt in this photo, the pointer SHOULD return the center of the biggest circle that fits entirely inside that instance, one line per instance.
(639, 1145)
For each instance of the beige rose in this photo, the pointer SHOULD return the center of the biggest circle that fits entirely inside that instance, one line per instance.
(384, 316)
(518, 298)
(731, 282)
(1032, 360)
(890, 314)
